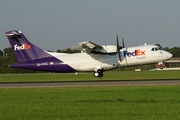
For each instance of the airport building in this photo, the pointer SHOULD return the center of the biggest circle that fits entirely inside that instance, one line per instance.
(173, 62)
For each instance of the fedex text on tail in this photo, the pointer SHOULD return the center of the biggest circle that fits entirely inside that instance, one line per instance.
(23, 47)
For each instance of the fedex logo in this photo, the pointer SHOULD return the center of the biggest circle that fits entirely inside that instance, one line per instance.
(135, 53)
(23, 47)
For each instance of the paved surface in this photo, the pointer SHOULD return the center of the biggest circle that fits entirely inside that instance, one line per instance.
(89, 83)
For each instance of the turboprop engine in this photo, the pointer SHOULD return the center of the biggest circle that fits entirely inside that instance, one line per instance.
(110, 48)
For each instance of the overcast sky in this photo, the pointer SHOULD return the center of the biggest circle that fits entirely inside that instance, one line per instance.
(59, 24)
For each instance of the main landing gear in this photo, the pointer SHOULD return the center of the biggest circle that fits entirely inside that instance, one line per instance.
(98, 73)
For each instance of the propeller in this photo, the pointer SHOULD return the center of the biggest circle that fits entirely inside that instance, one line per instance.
(123, 42)
(119, 48)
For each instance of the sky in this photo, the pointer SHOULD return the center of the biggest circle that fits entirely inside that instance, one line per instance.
(60, 24)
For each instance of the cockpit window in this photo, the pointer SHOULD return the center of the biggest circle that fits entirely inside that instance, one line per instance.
(156, 49)
(160, 48)
(152, 49)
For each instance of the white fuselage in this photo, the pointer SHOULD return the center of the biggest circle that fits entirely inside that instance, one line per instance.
(130, 56)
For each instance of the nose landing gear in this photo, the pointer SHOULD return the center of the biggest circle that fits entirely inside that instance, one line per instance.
(160, 65)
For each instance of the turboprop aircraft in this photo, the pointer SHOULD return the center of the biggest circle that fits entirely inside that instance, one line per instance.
(93, 57)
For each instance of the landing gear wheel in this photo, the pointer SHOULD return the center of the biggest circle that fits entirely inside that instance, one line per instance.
(99, 73)
(161, 67)
(96, 74)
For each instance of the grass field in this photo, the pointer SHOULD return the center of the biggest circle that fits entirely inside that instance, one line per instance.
(121, 75)
(79, 103)
(91, 103)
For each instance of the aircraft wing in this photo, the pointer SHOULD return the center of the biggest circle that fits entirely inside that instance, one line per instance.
(90, 47)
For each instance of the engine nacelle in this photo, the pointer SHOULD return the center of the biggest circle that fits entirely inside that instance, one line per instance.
(110, 48)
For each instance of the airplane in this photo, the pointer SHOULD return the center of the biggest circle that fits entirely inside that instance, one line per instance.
(92, 58)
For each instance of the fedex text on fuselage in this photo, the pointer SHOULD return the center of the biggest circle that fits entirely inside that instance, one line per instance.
(135, 53)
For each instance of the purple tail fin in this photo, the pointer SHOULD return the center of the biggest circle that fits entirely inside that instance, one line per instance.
(23, 49)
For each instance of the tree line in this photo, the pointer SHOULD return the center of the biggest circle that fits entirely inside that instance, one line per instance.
(7, 57)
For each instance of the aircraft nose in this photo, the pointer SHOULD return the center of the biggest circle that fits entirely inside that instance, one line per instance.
(169, 55)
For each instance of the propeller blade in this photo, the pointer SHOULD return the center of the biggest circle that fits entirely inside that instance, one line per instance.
(120, 57)
(123, 42)
(118, 48)
(117, 42)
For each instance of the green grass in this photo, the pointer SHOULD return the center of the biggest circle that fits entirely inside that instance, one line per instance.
(99, 103)
(125, 103)
(114, 75)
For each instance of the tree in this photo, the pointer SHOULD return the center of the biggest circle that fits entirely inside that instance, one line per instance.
(69, 50)
(1, 53)
(175, 51)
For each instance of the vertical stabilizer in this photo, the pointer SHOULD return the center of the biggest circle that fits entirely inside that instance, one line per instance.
(23, 49)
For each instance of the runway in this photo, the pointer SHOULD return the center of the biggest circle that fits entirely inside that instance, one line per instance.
(89, 83)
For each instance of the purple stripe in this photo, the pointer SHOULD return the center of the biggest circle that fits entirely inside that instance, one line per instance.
(45, 64)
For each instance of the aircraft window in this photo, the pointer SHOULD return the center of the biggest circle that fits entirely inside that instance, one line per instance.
(152, 49)
(159, 48)
(156, 49)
